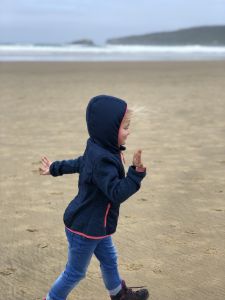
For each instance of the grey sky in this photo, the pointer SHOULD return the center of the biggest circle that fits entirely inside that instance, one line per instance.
(67, 20)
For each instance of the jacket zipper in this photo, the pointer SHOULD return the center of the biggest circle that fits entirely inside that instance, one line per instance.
(106, 214)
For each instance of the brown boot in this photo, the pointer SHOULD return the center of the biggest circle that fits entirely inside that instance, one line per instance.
(127, 293)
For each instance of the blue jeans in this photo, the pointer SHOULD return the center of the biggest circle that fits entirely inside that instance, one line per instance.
(80, 251)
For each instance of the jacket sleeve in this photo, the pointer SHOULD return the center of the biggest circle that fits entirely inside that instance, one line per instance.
(70, 166)
(106, 177)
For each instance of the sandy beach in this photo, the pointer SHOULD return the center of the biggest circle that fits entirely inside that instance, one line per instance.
(171, 234)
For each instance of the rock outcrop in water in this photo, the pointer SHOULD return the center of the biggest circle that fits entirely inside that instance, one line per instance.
(83, 42)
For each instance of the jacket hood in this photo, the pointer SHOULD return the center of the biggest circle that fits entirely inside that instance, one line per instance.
(104, 115)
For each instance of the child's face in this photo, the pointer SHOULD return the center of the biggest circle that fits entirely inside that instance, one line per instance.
(124, 130)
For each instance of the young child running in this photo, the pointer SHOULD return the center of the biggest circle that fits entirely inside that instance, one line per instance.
(91, 217)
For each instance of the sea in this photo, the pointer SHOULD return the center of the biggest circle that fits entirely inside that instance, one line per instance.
(31, 52)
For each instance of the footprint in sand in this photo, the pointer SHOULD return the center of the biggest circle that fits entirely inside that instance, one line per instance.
(31, 229)
(42, 245)
(56, 193)
(190, 232)
(134, 267)
(5, 177)
(156, 270)
(217, 209)
(7, 271)
(211, 251)
(143, 199)
(130, 219)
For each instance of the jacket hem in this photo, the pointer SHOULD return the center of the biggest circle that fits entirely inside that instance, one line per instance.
(88, 236)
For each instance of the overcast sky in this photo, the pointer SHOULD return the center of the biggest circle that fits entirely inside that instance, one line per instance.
(52, 21)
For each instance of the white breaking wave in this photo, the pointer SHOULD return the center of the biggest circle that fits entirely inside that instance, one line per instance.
(109, 52)
(110, 49)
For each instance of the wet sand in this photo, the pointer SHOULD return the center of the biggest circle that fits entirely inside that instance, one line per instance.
(171, 234)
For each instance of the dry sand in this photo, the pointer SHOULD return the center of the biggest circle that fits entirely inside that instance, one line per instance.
(171, 234)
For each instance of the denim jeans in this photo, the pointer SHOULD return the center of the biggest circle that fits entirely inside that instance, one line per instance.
(80, 251)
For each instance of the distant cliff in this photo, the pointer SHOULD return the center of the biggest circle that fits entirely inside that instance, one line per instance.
(205, 35)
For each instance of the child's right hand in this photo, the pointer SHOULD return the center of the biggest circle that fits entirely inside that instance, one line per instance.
(137, 162)
(45, 165)
(137, 159)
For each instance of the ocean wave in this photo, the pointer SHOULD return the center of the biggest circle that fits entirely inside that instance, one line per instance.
(109, 52)
(110, 48)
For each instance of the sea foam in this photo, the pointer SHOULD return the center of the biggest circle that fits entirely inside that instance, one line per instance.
(30, 52)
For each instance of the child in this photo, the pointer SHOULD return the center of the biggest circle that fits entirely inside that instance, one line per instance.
(91, 217)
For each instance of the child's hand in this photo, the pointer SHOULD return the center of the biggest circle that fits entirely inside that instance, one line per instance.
(137, 159)
(45, 165)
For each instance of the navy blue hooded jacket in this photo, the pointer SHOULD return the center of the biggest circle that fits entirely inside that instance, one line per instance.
(102, 184)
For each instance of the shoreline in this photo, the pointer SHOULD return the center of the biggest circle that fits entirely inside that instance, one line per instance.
(188, 60)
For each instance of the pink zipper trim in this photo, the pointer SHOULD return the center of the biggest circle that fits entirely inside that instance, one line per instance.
(88, 236)
(106, 214)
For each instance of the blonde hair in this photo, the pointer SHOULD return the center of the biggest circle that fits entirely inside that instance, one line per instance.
(136, 113)
(128, 114)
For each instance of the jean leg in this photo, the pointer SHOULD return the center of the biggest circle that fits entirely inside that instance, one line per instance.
(107, 255)
(80, 251)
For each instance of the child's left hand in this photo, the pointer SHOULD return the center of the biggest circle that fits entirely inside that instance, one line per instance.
(44, 169)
